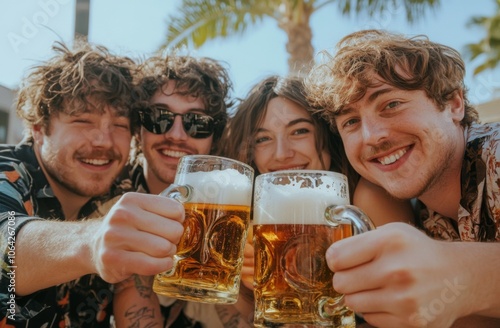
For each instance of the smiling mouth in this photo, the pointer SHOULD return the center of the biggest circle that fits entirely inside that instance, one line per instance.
(95, 161)
(392, 158)
(173, 153)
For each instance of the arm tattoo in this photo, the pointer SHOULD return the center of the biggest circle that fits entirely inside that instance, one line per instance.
(144, 285)
(140, 318)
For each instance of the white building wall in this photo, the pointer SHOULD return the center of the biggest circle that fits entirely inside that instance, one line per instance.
(15, 126)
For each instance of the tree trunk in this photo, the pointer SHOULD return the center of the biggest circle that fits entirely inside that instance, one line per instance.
(299, 44)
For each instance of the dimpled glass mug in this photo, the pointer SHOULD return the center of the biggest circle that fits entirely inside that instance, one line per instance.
(216, 193)
(297, 216)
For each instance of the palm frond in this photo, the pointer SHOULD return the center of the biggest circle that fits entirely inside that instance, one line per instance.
(488, 64)
(199, 21)
(489, 45)
(414, 9)
(477, 21)
(473, 50)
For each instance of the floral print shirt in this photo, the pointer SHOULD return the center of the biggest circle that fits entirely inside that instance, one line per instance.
(26, 195)
(479, 211)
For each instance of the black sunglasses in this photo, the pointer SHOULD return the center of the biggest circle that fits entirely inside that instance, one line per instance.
(158, 120)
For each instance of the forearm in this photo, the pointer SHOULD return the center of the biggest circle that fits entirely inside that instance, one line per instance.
(240, 314)
(246, 304)
(49, 253)
(481, 264)
(135, 303)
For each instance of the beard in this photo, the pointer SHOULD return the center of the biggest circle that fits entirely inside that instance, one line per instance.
(160, 171)
(422, 173)
(63, 169)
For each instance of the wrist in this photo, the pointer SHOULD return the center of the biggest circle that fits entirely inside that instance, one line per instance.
(472, 287)
(87, 253)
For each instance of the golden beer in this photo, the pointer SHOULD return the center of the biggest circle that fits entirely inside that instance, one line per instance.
(297, 216)
(209, 256)
(293, 284)
(216, 193)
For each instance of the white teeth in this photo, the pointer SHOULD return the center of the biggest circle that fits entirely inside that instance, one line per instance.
(392, 158)
(173, 153)
(96, 161)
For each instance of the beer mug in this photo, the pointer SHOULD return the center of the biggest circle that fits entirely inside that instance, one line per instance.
(297, 216)
(216, 193)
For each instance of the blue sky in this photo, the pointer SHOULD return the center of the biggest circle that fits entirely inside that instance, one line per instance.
(28, 28)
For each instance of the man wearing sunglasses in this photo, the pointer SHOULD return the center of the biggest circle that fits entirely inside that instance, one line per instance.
(184, 112)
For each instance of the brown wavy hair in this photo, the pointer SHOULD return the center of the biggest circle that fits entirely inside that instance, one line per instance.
(85, 78)
(407, 63)
(239, 138)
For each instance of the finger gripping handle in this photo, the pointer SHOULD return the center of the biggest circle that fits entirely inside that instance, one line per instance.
(181, 193)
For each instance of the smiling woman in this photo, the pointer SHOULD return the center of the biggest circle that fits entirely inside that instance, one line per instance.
(274, 128)
(286, 139)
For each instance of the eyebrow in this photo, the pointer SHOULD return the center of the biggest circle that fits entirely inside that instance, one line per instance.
(378, 93)
(291, 123)
(299, 120)
(371, 98)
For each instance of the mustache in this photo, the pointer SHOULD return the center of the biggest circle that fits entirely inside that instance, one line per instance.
(382, 147)
(109, 154)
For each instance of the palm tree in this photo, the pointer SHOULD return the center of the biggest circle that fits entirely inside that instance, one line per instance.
(489, 46)
(198, 21)
(82, 10)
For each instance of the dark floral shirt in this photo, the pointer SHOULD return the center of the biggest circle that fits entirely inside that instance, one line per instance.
(25, 195)
(479, 211)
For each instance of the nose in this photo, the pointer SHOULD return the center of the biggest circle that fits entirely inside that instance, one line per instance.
(283, 149)
(374, 130)
(101, 136)
(177, 131)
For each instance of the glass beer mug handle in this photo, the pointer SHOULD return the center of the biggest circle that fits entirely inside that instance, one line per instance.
(181, 193)
(350, 214)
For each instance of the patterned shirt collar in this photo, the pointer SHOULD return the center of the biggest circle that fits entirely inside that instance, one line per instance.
(25, 153)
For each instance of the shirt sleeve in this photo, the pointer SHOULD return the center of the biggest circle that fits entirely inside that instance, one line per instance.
(15, 211)
(492, 160)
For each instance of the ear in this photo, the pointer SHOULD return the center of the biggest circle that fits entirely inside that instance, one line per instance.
(38, 133)
(456, 106)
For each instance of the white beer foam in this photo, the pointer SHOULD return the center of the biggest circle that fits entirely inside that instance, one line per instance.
(289, 204)
(228, 187)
